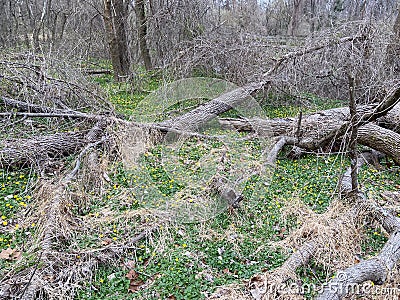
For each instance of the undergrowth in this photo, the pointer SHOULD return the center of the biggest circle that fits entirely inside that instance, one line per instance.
(188, 259)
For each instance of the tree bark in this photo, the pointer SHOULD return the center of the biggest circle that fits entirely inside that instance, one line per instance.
(196, 118)
(376, 269)
(321, 124)
(140, 11)
(393, 49)
(38, 151)
(114, 16)
(295, 17)
(380, 139)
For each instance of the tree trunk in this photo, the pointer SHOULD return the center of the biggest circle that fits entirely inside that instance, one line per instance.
(140, 11)
(393, 49)
(36, 31)
(114, 17)
(202, 114)
(295, 17)
(37, 151)
(318, 125)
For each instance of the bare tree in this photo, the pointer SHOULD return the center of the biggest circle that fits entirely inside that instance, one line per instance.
(393, 50)
(115, 14)
(140, 11)
(295, 17)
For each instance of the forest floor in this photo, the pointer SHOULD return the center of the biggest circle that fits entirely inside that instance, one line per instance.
(188, 256)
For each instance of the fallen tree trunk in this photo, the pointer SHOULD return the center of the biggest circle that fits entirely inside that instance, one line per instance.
(38, 150)
(317, 127)
(376, 269)
(381, 139)
(314, 125)
(201, 115)
(34, 110)
(326, 125)
(35, 151)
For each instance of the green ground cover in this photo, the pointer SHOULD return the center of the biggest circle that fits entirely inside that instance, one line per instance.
(190, 259)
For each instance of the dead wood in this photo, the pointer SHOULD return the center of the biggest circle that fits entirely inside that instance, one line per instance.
(381, 110)
(97, 72)
(315, 125)
(227, 192)
(360, 208)
(376, 269)
(37, 151)
(319, 128)
(199, 116)
(34, 110)
(380, 139)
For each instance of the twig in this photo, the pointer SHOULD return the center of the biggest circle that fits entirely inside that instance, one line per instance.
(353, 137)
(298, 133)
(73, 173)
(33, 274)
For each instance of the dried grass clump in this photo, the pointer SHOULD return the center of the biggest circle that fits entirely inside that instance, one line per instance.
(333, 239)
(133, 141)
(337, 232)
(61, 264)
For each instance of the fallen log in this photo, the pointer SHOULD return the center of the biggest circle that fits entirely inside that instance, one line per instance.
(201, 115)
(34, 110)
(37, 151)
(329, 125)
(315, 125)
(376, 269)
(380, 139)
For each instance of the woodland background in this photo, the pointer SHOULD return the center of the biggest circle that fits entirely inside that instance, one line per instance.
(282, 177)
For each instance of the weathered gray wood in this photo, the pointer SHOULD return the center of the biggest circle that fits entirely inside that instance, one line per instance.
(380, 139)
(39, 109)
(315, 127)
(375, 269)
(199, 116)
(37, 151)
